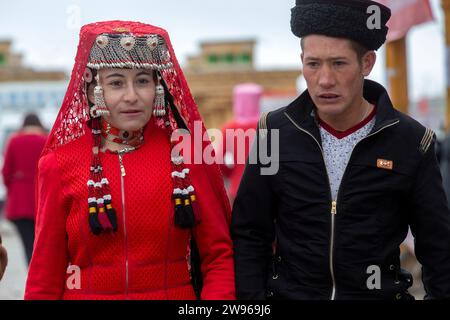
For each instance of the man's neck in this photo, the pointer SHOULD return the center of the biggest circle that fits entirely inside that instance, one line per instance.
(348, 119)
(33, 130)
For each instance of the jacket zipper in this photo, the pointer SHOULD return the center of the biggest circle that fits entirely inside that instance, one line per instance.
(122, 185)
(333, 208)
(335, 202)
(333, 214)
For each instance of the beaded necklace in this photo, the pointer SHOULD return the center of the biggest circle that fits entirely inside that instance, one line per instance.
(128, 138)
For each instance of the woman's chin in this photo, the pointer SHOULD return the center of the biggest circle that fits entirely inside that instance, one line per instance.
(131, 125)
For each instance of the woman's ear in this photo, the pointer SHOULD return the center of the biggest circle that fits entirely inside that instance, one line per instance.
(90, 92)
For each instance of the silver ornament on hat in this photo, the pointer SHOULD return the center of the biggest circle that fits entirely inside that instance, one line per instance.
(102, 41)
(152, 42)
(127, 43)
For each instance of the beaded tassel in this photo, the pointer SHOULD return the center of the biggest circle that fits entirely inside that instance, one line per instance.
(94, 221)
(194, 204)
(110, 211)
(112, 215)
(185, 216)
(102, 216)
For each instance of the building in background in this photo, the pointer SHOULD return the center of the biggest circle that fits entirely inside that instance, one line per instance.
(12, 68)
(220, 66)
(23, 90)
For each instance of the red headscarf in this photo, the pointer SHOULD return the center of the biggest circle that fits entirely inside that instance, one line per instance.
(71, 122)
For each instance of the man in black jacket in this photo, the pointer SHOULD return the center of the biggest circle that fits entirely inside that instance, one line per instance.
(353, 174)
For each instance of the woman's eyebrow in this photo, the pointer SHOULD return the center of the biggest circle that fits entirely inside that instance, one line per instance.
(144, 72)
(115, 75)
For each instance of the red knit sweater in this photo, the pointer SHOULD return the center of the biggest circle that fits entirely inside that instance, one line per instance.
(146, 258)
(19, 171)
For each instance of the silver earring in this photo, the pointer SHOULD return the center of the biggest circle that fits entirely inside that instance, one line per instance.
(99, 109)
(159, 105)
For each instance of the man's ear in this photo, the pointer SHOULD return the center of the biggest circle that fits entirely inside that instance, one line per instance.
(368, 62)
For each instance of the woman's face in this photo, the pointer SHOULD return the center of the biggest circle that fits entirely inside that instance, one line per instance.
(129, 96)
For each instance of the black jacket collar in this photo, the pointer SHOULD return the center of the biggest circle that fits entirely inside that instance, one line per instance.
(301, 110)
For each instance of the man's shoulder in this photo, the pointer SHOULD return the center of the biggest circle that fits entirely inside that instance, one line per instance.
(410, 125)
(275, 119)
(413, 131)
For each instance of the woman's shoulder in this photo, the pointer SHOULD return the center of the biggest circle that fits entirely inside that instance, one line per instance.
(71, 154)
(75, 148)
(47, 164)
(65, 160)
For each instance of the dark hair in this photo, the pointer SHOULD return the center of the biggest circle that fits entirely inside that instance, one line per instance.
(32, 119)
(357, 47)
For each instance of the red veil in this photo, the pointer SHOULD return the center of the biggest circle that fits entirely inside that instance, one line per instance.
(71, 122)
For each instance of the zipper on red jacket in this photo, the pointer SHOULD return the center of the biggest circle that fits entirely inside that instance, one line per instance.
(122, 188)
(334, 203)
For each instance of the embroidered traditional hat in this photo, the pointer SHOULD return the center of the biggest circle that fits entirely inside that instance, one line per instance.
(349, 19)
(128, 51)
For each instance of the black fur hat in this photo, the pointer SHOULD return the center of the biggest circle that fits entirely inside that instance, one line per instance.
(349, 19)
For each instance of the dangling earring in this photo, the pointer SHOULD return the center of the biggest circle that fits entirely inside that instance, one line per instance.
(159, 106)
(99, 109)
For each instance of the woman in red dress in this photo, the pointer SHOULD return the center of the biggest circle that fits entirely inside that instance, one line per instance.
(19, 171)
(117, 207)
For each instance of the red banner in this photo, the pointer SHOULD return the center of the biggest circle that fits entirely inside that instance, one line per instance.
(405, 15)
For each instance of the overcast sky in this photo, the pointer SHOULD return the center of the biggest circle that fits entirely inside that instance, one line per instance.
(46, 32)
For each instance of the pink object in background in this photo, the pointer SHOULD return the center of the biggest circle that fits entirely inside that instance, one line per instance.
(246, 102)
(405, 15)
(246, 109)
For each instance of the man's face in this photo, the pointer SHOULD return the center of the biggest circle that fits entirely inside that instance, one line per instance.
(334, 74)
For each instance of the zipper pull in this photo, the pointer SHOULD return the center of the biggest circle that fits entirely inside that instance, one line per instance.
(333, 207)
(122, 169)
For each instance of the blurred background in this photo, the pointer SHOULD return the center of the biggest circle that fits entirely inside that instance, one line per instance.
(219, 44)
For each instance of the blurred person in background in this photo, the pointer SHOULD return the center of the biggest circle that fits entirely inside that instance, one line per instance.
(445, 163)
(246, 112)
(21, 157)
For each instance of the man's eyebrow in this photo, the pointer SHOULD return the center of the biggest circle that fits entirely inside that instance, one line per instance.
(330, 58)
